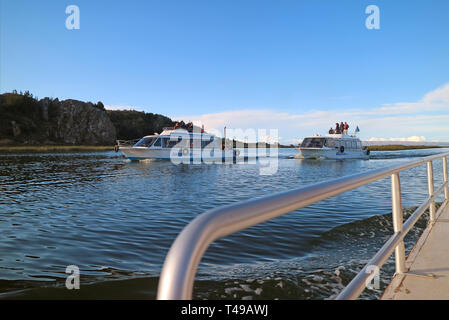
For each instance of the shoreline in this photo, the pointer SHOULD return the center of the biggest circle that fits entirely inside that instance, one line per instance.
(50, 148)
(397, 147)
(74, 148)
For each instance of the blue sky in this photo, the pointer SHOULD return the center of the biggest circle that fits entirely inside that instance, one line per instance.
(298, 66)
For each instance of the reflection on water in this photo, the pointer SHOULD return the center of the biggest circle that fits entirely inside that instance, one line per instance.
(116, 220)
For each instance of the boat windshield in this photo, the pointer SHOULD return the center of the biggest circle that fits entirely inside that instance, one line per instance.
(313, 142)
(145, 142)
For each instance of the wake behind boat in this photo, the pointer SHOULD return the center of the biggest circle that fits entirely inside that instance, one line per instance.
(333, 146)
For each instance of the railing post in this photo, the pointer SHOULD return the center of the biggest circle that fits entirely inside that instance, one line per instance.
(397, 221)
(431, 190)
(445, 179)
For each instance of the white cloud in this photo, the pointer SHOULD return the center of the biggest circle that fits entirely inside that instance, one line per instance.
(440, 95)
(419, 121)
(409, 139)
(436, 100)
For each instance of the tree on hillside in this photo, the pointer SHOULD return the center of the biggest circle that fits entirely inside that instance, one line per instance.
(131, 124)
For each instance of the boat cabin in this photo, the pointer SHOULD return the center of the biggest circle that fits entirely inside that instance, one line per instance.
(332, 141)
(172, 137)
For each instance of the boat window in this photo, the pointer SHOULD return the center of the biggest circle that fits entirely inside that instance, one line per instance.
(199, 143)
(354, 144)
(145, 142)
(205, 143)
(157, 143)
(171, 143)
(330, 143)
(359, 145)
(165, 142)
(179, 141)
(313, 143)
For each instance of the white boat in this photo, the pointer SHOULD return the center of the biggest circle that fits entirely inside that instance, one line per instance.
(333, 146)
(178, 145)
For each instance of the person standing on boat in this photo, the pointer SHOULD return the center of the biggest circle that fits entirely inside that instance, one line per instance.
(342, 127)
(337, 128)
(346, 127)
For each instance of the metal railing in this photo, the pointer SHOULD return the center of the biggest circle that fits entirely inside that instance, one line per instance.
(178, 273)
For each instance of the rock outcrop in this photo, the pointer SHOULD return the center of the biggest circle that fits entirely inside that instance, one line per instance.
(25, 120)
(76, 122)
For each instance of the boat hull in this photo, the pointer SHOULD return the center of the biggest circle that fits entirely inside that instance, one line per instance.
(141, 153)
(317, 153)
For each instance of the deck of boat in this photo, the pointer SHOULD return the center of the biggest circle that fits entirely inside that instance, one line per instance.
(428, 266)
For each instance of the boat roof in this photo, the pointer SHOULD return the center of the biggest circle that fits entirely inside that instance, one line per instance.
(335, 136)
(168, 132)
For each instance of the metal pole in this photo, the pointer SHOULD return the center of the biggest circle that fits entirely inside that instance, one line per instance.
(358, 284)
(431, 190)
(446, 189)
(397, 221)
(224, 142)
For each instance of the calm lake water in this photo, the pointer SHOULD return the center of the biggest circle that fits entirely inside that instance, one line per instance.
(116, 220)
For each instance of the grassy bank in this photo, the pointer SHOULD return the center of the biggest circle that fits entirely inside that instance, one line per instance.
(396, 147)
(37, 149)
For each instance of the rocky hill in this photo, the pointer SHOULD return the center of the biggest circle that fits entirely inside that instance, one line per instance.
(131, 124)
(24, 120)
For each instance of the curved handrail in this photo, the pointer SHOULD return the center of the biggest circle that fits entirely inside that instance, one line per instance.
(183, 258)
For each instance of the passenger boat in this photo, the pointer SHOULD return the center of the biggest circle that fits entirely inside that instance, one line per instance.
(333, 146)
(178, 144)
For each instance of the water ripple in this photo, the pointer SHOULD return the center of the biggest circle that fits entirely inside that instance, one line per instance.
(112, 217)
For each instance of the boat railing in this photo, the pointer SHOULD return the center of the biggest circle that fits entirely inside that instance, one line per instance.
(184, 127)
(126, 143)
(180, 266)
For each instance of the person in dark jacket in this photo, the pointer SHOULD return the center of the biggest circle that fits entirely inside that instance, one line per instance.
(337, 128)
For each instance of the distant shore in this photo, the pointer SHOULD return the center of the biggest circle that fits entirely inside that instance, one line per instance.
(396, 147)
(84, 148)
(50, 148)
